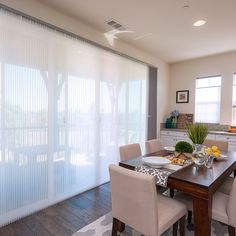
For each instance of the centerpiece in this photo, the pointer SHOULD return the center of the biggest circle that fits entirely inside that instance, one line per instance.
(184, 148)
(184, 152)
(197, 134)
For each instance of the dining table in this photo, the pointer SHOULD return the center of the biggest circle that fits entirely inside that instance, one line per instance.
(197, 181)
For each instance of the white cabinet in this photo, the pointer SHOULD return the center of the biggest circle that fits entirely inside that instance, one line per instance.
(211, 136)
(168, 141)
(232, 146)
(231, 139)
(170, 138)
(226, 138)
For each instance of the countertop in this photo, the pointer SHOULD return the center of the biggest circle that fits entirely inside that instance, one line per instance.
(220, 132)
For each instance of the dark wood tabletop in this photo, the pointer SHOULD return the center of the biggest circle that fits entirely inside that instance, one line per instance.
(199, 182)
(132, 163)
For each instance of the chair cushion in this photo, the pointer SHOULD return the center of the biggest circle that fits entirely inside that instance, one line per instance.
(169, 212)
(185, 199)
(219, 206)
(226, 186)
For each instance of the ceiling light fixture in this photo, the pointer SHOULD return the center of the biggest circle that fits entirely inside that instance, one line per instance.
(199, 23)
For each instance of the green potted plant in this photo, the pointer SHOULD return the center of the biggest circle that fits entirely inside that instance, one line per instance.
(197, 134)
(183, 147)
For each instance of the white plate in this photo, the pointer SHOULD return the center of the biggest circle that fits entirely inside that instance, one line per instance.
(223, 156)
(156, 162)
(169, 149)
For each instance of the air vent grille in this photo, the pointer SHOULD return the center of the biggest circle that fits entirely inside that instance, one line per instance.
(116, 25)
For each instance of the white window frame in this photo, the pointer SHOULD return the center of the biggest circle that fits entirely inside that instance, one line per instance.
(210, 86)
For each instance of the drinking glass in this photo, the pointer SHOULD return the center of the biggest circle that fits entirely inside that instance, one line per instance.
(209, 161)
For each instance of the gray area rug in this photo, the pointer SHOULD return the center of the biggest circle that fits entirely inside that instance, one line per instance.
(103, 226)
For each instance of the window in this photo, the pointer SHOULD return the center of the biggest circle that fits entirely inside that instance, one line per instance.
(207, 99)
(234, 101)
(65, 107)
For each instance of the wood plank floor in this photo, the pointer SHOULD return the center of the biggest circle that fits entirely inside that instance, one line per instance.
(64, 218)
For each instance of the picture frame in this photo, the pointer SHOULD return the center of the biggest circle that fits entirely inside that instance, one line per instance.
(182, 96)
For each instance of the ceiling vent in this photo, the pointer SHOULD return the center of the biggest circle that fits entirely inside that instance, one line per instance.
(116, 25)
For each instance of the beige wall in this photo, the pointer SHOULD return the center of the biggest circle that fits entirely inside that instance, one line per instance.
(183, 75)
(52, 16)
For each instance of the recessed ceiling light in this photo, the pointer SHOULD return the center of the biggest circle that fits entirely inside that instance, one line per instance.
(199, 23)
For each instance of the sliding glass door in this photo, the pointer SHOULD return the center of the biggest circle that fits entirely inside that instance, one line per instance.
(66, 106)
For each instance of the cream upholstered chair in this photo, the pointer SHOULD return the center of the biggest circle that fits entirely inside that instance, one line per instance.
(223, 146)
(227, 186)
(130, 151)
(153, 145)
(223, 207)
(136, 203)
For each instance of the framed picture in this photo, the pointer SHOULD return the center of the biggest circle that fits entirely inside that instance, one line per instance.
(182, 96)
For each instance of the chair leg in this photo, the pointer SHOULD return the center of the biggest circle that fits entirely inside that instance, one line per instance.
(121, 226)
(115, 226)
(175, 229)
(189, 217)
(190, 225)
(172, 192)
(231, 230)
(182, 226)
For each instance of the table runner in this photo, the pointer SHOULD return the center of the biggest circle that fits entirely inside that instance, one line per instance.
(161, 175)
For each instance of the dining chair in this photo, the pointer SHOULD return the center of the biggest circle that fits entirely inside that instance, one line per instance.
(227, 185)
(136, 203)
(223, 207)
(223, 146)
(153, 145)
(130, 151)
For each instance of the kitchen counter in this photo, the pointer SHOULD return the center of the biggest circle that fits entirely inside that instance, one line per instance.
(170, 137)
(220, 132)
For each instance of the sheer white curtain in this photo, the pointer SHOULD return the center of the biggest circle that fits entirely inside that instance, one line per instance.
(66, 106)
(207, 99)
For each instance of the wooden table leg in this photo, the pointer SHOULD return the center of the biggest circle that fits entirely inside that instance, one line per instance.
(172, 192)
(202, 216)
(121, 227)
(117, 226)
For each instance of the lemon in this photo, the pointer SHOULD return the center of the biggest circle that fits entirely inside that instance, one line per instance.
(216, 154)
(214, 149)
(208, 151)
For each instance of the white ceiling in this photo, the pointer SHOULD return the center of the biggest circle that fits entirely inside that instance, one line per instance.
(167, 24)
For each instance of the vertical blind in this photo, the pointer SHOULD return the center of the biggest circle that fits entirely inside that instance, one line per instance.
(66, 106)
(152, 104)
(207, 99)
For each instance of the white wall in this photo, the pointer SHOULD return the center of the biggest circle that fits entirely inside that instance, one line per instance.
(36, 9)
(183, 75)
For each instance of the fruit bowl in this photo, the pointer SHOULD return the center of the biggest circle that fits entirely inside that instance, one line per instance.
(214, 150)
